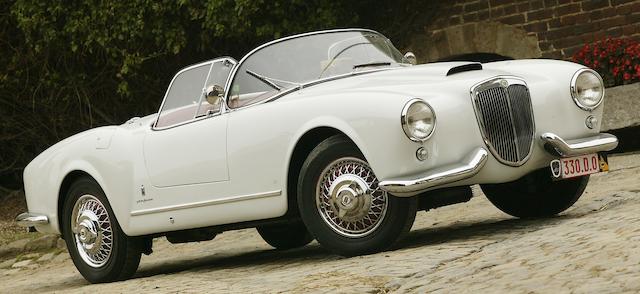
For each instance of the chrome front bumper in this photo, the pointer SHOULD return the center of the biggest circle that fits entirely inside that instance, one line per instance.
(475, 160)
(567, 148)
(28, 219)
(470, 166)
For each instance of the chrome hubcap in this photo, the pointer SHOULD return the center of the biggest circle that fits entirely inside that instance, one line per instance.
(87, 227)
(92, 232)
(348, 198)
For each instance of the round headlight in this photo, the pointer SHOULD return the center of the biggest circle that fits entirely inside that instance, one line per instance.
(587, 89)
(418, 120)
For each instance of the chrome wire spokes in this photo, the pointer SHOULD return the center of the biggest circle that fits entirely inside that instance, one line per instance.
(92, 230)
(348, 197)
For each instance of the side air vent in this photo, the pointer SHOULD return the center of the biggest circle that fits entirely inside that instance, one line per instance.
(463, 68)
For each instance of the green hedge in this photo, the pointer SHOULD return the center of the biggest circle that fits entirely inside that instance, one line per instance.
(66, 66)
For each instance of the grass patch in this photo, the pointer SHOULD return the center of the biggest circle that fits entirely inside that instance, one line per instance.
(10, 233)
(12, 203)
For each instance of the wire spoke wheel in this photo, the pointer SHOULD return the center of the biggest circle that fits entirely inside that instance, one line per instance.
(348, 198)
(92, 231)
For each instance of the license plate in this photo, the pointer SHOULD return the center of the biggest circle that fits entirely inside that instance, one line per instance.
(571, 167)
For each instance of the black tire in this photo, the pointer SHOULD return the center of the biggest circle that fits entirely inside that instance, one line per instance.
(391, 227)
(288, 236)
(536, 194)
(124, 258)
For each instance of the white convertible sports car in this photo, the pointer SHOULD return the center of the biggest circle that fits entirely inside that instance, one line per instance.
(330, 135)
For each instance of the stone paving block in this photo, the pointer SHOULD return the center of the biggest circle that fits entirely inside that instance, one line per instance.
(7, 263)
(46, 257)
(467, 248)
(22, 264)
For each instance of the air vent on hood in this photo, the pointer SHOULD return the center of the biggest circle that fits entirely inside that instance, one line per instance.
(463, 68)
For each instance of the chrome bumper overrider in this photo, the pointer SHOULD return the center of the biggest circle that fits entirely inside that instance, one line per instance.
(31, 219)
(567, 148)
(470, 166)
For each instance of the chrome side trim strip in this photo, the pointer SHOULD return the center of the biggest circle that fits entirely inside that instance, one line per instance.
(206, 203)
(566, 148)
(470, 166)
(28, 219)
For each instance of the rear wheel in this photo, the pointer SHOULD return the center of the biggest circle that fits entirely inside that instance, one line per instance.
(536, 194)
(283, 237)
(98, 247)
(343, 207)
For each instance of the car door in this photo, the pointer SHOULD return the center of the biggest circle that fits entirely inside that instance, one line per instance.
(187, 144)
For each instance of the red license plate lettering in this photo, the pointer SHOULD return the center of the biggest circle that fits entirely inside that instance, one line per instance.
(576, 166)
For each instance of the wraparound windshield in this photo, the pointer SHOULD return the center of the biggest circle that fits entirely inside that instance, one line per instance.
(307, 58)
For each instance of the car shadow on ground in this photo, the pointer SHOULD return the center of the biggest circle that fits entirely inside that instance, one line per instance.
(417, 238)
(476, 230)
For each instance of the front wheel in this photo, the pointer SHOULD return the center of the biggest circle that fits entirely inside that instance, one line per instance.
(536, 194)
(343, 207)
(98, 247)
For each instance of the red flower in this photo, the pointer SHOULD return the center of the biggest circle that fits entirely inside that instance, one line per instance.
(616, 60)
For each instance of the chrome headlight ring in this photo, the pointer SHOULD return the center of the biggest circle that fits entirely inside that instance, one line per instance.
(587, 89)
(418, 120)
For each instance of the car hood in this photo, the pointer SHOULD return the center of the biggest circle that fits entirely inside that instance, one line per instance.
(412, 80)
(452, 78)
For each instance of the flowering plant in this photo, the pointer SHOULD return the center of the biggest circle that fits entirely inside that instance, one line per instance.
(616, 60)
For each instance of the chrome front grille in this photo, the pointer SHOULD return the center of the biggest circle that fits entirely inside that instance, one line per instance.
(503, 109)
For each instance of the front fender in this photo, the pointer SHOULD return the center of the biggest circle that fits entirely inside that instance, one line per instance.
(329, 122)
(45, 175)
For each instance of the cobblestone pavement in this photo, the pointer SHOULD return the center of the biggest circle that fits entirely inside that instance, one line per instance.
(592, 248)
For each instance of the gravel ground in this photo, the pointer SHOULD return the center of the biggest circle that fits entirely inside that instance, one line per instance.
(592, 248)
(12, 203)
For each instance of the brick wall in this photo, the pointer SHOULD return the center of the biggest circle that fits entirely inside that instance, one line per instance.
(561, 26)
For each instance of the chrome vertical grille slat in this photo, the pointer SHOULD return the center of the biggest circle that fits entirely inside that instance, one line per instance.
(522, 116)
(503, 109)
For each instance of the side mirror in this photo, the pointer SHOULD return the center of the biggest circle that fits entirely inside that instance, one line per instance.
(409, 56)
(214, 94)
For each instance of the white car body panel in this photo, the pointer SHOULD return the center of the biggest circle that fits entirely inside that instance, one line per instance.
(197, 154)
(233, 167)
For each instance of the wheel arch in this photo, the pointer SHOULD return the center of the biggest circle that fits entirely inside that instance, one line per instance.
(303, 147)
(71, 176)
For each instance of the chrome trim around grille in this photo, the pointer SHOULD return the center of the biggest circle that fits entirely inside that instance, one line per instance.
(505, 118)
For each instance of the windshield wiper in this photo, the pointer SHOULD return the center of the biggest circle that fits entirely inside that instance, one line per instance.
(264, 80)
(371, 64)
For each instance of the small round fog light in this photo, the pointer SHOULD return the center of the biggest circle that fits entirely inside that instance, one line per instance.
(591, 122)
(422, 154)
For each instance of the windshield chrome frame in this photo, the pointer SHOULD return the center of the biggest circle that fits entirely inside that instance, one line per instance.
(232, 76)
(223, 107)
